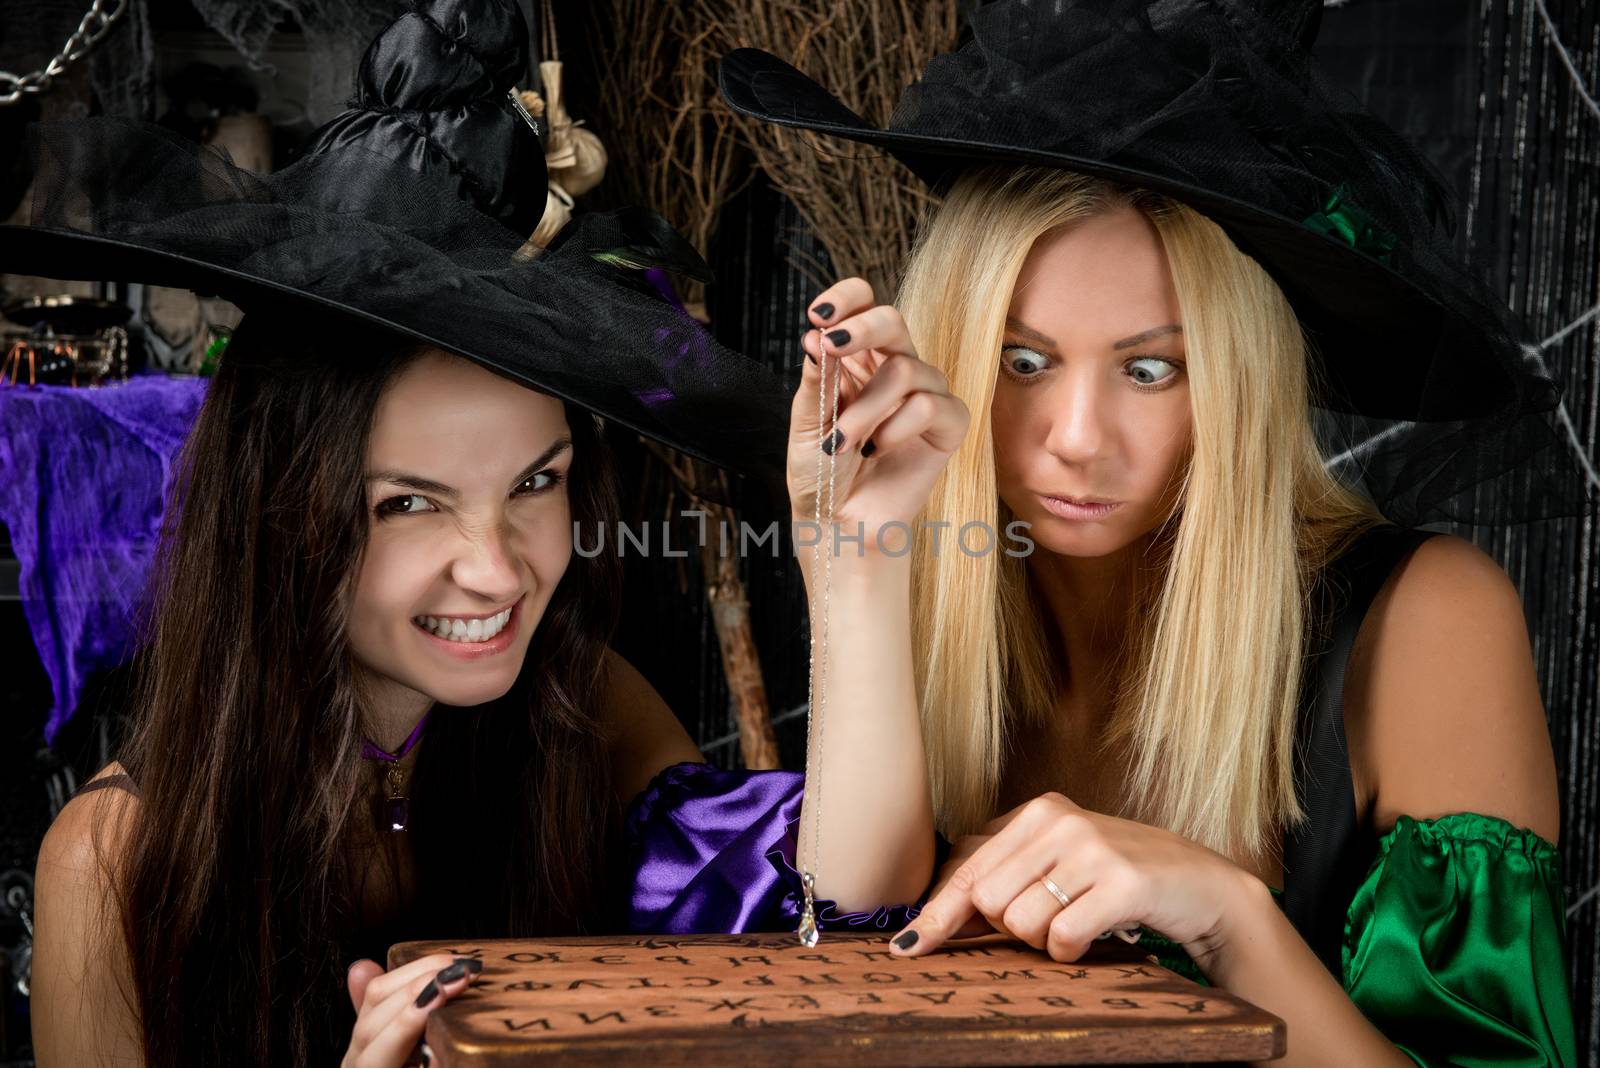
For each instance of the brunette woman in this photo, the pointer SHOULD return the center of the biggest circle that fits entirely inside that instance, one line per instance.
(377, 701)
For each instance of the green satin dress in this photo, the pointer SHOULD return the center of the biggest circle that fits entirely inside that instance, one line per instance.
(1453, 945)
(1448, 934)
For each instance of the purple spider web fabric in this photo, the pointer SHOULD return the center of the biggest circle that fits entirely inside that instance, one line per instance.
(83, 477)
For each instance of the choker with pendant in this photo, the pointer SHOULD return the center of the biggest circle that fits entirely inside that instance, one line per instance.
(397, 806)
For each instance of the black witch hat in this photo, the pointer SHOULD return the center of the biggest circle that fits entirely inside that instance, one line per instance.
(1216, 103)
(410, 211)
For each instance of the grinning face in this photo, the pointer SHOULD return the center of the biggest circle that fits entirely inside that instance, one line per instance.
(1091, 417)
(469, 531)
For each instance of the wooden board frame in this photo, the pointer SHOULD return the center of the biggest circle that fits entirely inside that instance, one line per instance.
(764, 999)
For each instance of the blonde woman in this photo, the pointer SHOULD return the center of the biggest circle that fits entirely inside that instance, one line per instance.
(1164, 671)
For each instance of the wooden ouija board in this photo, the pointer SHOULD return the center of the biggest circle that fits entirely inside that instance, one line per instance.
(763, 999)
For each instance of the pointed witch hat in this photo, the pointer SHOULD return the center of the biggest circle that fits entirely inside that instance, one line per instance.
(1218, 105)
(408, 211)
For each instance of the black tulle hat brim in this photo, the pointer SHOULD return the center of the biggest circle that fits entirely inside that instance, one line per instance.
(120, 201)
(1389, 348)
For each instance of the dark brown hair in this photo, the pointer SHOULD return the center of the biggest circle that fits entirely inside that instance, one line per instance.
(235, 888)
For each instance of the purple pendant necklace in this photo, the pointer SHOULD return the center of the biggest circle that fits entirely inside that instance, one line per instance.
(397, 807)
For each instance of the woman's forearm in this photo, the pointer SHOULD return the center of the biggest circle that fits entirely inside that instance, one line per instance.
(871, 784)
(1260, 957)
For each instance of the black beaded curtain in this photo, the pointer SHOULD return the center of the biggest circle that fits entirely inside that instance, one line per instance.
(1501, 96)
(1533, 202)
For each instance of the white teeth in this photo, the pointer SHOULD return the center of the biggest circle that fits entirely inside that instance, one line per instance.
(468, 630)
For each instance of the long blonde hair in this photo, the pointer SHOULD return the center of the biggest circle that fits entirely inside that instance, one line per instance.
(1208, 715)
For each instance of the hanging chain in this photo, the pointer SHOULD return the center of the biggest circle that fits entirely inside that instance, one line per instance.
(817, 681)
(102, 15)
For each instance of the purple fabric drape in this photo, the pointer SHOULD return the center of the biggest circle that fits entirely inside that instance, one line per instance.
(712, 852)
(83, 480)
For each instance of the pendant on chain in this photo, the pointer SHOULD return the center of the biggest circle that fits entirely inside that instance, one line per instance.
(397, 808)
(807, 932)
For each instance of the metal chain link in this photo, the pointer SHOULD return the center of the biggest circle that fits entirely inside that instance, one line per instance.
(102, 15)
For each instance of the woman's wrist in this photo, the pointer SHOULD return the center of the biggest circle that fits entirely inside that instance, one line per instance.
(854, 539)
(1243, 932)
(1258, 955)
(854, 567)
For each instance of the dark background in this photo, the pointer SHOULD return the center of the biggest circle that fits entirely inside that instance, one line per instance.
(1480, 87)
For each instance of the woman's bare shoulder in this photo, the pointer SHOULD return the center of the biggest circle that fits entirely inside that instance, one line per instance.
(91, 829)
(1443, 706)
(82, 1008)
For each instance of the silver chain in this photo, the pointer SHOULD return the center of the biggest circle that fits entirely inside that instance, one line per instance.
(102, 15)
(817, 680)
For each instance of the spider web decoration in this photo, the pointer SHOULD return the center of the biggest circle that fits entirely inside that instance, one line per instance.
(1532, 203)
(248, 25)
(336, 33)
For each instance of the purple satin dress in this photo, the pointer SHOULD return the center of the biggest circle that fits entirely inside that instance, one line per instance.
(712, 852)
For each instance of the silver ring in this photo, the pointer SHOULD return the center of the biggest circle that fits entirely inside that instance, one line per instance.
(1056, 891)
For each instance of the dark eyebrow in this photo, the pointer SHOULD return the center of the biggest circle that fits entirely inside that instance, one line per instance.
(412, 482)
(439, 489)
(557, 447)
(1138, 339)
(1023, 330)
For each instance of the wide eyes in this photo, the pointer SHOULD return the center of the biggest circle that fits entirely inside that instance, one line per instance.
(1150, 370)
(1023, 362)
(1146, 372)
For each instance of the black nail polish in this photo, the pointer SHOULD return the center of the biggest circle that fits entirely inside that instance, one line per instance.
(458, 970)
(471, 964)
(810, 357)
(833, 441)
(429, 992)
(836, 338)
(868, 449)
(904, 940)
(823, 311)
